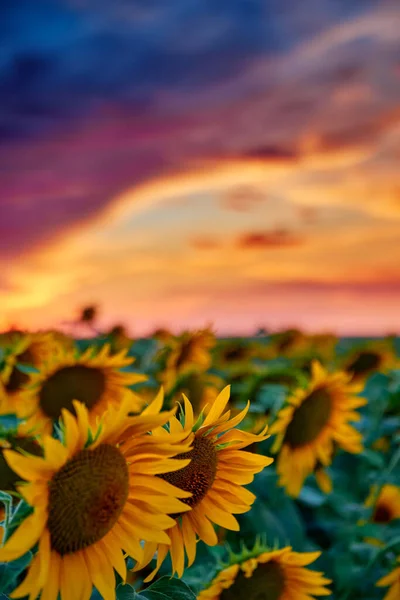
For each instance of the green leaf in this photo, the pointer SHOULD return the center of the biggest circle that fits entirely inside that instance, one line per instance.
(27, 369)
(373, 458)
(272, 396)
(6, 500)
(126, 592)
(9, 422)
(9, 572)
(22, 511)
(170, 588)
(311, 496)
(164, 588)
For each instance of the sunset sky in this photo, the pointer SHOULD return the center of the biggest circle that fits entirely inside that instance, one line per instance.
(186, 162)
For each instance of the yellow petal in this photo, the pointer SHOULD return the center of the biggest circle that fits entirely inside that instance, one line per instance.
(25, 537)
(218, 406)
(101, 572)
(52, 585)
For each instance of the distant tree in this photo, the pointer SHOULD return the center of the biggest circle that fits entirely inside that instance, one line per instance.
(88, 314)
(261, 332)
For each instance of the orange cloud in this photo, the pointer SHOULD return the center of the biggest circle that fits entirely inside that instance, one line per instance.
(269, 239)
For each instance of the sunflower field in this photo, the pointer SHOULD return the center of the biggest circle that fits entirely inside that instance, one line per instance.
(188, 466)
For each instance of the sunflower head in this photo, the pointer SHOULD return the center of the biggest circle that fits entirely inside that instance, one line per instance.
(23, 353)
(163, 335)
(119, 339)
(215, 476)
(96, 378)
(386, 506)
(95, 494)
(313, 423)
(267, 574)
(187, 353)
(288, 343)
(373, 357)
(201, 388)
(230, 353)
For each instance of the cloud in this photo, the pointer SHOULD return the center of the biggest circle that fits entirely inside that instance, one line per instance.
(269, 239)
(130, 101)
(243, 198)
(271, 153)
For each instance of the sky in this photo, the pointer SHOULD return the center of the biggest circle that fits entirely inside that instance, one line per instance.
(196, 162)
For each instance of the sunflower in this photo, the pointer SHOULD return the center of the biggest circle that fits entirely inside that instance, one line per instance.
(201, 388)
(215, 476)
(22, 351)
(265, 574)
(233, 352)
(119, 339)
(314, 421)
(187, 353)
(94, 378)
(372, 357)
(94, 495)
(288, 343)
(393, 579)
(386, 507)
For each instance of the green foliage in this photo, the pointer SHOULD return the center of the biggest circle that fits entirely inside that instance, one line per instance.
(10, 573)
(164, 588)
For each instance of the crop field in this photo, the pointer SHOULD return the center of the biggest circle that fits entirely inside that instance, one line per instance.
(187, 466)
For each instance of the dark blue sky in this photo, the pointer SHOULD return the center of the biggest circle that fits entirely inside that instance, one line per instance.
(61, 59)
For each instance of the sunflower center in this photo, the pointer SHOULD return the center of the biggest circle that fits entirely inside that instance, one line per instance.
(382, 514)
(78, 382)
(235, 353)
(364, 363)
(266, 583)
(199, 475)
(86, 497)
(309, 419)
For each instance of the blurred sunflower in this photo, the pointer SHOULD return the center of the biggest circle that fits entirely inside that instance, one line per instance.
(119, 339)
(265, 574)
(386, 507)
(392, 580)
(94, 495)
(201, 388)
(23, 351)
(312, 421)
(215, 477)
(288, 343)
(94, 378)
(233, 352)
(162, 335)
(187, 353)
(372, 357)
(382, 444)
